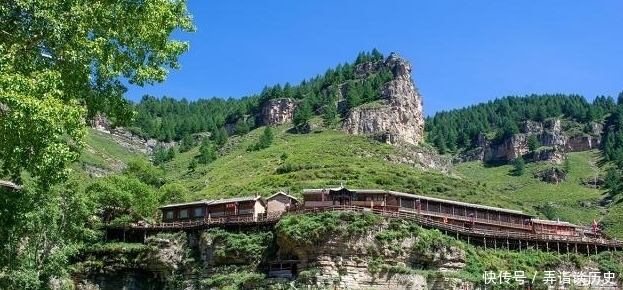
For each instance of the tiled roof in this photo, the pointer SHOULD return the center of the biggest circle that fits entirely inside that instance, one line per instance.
(235, 199)
(283, 193)
(555, 223)
(191, 203)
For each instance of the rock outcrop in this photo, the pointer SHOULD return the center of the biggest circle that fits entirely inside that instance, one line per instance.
(278, 111)
(364, 262)
(551, 136)
(399, 113)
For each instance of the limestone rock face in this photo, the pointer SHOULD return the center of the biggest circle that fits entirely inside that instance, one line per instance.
(278, 111)
(400, 113)
(350, 259)
(549, 133)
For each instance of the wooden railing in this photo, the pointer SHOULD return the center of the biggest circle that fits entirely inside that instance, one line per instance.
(206, 222)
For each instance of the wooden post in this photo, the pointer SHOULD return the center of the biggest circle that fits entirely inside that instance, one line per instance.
(485, 238)
(520, 245)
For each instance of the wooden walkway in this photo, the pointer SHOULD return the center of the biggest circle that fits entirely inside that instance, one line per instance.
(487, 238)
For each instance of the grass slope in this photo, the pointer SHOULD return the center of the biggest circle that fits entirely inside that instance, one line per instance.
(329, 157)
(103, 154)
(317, 160)
(568, 200)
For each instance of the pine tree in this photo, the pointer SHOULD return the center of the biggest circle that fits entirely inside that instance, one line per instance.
(207, 152)
(241, 128)
(265, 140)
(330, 115)
(186, 144)
(192, 165)
(301, 117)
(533, 143)
(519, 166)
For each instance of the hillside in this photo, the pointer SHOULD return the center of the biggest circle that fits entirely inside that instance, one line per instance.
(330, 157)
(360, 126)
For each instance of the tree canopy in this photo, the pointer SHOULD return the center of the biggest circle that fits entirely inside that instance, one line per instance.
(63, 61)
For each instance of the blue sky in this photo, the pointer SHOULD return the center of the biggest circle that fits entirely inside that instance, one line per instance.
(462, 52)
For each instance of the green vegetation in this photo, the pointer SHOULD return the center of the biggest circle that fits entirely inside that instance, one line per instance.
(56, 219)
(458, 130)
(313, 229)
(245, 248)
(567, 201)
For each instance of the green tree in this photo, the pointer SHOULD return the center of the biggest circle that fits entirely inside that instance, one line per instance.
(173, 193)
(57, 57)
(145, 172)
(125, 192)
(519, 166)
(219, 137)
(241, 128)
(330, 115)
(187, 143)
(192, 165)
(302, 115)
(533, 143)
(266, 139)
(207, 152)
(56, 229)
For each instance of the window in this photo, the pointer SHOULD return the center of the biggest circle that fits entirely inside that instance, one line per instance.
(168, 215)
(198, 212)
(183, 213)
(379, 198)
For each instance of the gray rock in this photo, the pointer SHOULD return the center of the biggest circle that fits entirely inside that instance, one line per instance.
(399, 113)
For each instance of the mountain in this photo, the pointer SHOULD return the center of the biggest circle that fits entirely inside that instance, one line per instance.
(359, 125)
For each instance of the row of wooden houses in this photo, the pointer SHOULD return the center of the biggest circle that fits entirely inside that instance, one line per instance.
(455, 213)
(254, 207)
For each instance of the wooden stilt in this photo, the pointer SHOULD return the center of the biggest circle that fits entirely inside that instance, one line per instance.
(507, 244)
(495, 243)
(547, 246)
(485, 238)
(567, 248)
(520, 245)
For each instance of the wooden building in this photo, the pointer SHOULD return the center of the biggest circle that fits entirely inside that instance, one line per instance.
(471, 215)
(315, 198)
(253, 206)
(555, 228)
(185, 211)
(281, 202)
(447, 211)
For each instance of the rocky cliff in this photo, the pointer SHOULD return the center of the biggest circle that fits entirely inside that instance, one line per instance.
(551, 136)
(278, 111)
(330, 250)
(399, 113)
